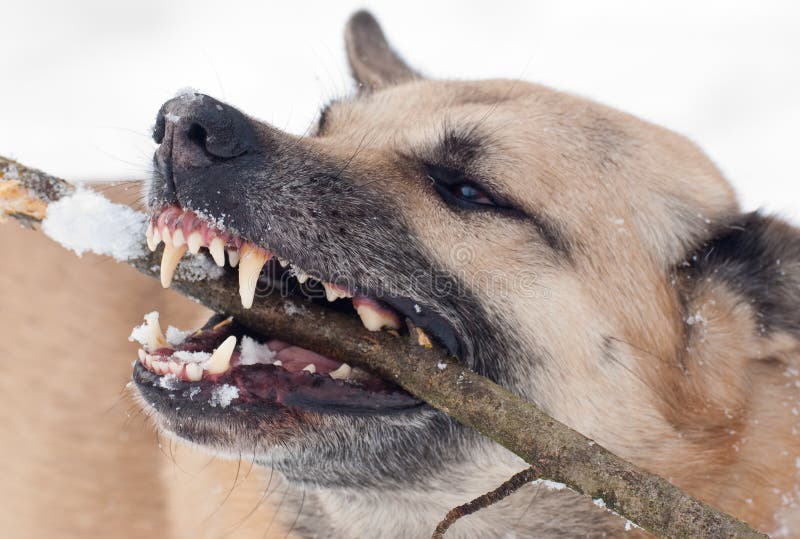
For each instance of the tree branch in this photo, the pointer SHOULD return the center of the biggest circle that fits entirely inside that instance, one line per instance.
(554, 450)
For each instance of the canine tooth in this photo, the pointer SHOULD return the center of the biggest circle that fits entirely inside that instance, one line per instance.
(177, 238)
(217, 250)
(310, 368)
(141, 355)
(169, 261)
(233, 257)
(194, 241)
(250, 264)
(155, 337)
(220, 360)
(375, 319)
(277, 363)
(341, 373)
(194, 372)
(151, 243)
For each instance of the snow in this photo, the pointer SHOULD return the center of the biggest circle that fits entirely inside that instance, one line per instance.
(696, 318)
(254, 353)
(198, 268)
(169, 381)
(552, 485)
(223, 395)
(188, 94)
(11, 172)
(191, 357)
(291, 308)
(176, 336)
(86, 221)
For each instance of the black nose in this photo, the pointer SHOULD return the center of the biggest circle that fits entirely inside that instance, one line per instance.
(195, 131)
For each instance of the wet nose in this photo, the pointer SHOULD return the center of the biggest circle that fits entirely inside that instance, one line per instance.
(196, 131)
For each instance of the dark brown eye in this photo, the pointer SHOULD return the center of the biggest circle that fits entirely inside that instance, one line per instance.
(470, 193)
(458, 190)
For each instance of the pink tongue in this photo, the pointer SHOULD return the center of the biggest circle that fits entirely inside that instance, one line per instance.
(294, 358)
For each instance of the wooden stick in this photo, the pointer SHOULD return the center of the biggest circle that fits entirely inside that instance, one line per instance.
(554, 450)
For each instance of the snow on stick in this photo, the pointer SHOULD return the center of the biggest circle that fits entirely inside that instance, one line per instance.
(554, 451)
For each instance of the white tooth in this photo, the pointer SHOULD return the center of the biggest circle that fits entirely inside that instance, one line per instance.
(374, 320)
(277, 363)
(334, 292)
(423, 339)
(283, 262)
(151, 243)
(155, 337)
(233, 257)
(177, 238)
(299, 275)
(194, 372)
(156, 236)
(194, 241)
(141, 355)
(250, 264)
(220, 360)
(169, 261)
(175, 367)
(217, 250)
(330, 293)
(341, 373)
(310, 368)
(166, 237)
(160, 367)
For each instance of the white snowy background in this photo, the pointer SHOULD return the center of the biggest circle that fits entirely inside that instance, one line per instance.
(81, 81)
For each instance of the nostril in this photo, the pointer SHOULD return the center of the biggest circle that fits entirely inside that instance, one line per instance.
(197, 135)
(160, 128)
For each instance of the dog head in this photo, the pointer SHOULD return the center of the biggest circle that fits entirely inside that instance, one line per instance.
(536, 235)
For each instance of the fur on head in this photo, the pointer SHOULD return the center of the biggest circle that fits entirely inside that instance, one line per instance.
(595, 263)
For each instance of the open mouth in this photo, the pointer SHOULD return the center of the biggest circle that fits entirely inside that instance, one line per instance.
(221, 364)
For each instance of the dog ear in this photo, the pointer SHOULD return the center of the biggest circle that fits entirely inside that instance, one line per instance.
(758, 257)
(373, 63)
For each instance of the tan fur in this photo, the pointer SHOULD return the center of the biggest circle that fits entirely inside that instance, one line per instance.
(715, 418)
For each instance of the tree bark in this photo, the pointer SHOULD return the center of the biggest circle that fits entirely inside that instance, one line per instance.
(553, 450)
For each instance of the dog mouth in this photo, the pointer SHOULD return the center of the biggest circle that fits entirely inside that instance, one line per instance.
(224, 364)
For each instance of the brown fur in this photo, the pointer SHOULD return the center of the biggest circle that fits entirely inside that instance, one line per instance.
(676, 374)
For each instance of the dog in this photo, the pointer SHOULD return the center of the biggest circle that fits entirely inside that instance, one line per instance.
(596, 264)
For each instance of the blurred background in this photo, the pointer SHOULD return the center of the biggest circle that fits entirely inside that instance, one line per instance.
(82, 80)
(80, 84)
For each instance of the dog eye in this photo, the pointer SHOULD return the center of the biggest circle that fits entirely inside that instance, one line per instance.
(458, 190)
(470, 193)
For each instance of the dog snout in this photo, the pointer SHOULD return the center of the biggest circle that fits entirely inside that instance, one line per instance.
(196, 131)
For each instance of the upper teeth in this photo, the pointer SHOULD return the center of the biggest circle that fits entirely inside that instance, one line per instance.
(334, 292)
(190, 234)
